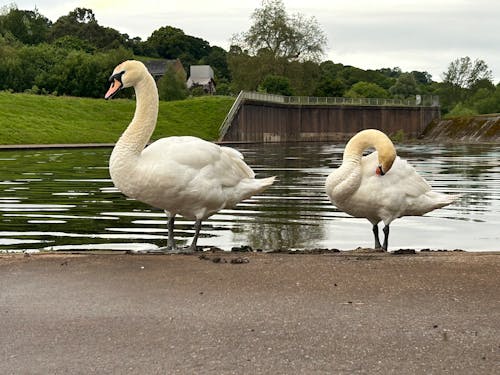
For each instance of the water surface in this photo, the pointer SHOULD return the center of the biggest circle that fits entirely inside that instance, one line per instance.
(63, 199)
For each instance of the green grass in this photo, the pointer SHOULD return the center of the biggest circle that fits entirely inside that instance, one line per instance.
(33, 119)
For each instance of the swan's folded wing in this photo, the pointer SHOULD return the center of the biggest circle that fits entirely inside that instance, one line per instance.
(403, 173)
(231, 168)
(191, 156)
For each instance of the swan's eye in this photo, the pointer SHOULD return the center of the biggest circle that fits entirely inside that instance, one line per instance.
(117, 76)
(379, 171)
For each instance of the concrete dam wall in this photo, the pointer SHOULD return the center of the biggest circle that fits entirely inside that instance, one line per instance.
(273, 121)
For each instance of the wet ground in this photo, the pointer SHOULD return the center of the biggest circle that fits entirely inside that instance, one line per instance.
(250, 313)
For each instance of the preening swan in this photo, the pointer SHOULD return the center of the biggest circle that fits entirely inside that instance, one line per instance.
(380, 186)
(181, 175)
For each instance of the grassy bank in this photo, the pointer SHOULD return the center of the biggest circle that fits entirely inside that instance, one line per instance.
(32, 119)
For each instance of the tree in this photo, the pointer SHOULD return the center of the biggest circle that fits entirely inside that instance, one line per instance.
(285, 36)
(463, 73)
(351, 75)
(277, 44)
(405, 86)
(29, 27)
(172, 86)
(366, 90)
(459, 81)
(81, 23)
(330, 88)
(422, 78)
(279, 85)
(390, 72)
(487, 101)
(171, 43)
(248, 71)
(304, 76)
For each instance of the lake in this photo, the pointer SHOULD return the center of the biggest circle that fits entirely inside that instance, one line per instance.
(63, 199)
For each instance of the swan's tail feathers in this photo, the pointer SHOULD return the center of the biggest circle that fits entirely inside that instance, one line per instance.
(430, 201)
(261, 184)
(248, 187)
(266, 182)
(441, 200)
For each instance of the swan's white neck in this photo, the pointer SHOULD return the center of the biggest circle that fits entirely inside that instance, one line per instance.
(140, 129)
(126, 154)
(371, 138)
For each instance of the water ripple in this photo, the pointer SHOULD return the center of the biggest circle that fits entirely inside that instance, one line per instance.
(65, 200)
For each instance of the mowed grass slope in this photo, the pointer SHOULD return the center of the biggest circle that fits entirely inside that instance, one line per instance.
(33, 119)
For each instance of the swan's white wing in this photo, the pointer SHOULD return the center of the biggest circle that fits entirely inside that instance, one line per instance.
(404, 177)
(401, 191)
(195, 176)
(191, 154)
(234, 166)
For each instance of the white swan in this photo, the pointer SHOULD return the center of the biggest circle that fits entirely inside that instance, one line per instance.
(380, 186)
(181, 175)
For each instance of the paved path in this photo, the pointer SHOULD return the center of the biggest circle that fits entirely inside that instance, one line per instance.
(347, 313)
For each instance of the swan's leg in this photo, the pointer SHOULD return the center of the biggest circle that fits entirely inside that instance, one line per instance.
(375, 234)
(170, 248)
(171, 240)
(197, 227)
(386, 237)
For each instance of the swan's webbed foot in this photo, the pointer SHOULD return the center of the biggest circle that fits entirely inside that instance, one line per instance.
(171, 248)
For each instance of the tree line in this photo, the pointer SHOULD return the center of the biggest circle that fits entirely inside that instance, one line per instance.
(281, 54)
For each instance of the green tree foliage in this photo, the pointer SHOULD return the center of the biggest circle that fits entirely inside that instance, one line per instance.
(274, 84)
(405, 86)
(330, 82)
(284, 36)
(390, 72)
(422, 78)
(366, 90)
(29, 27)
(277, 44)
(279, 53)
(55, 70)
(330, 88)
(461, 81)
(247, 71)
(172, 86)
(464, 73)
(171, 43)
(81, 23)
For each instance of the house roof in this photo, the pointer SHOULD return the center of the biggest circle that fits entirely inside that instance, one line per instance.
(159, 67)
(200, 75)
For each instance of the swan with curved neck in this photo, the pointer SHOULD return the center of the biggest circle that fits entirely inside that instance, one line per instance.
(380, 186)
(185, 175)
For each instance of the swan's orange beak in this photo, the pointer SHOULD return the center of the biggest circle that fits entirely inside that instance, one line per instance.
(116, 85)
(379, 171)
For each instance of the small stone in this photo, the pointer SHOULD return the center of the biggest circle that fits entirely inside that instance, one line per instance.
(240, 260)
(404, 251)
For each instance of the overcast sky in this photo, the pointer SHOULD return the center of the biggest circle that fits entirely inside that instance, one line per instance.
(423, 35)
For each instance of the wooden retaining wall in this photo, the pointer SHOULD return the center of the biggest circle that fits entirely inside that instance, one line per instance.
(258, 121)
